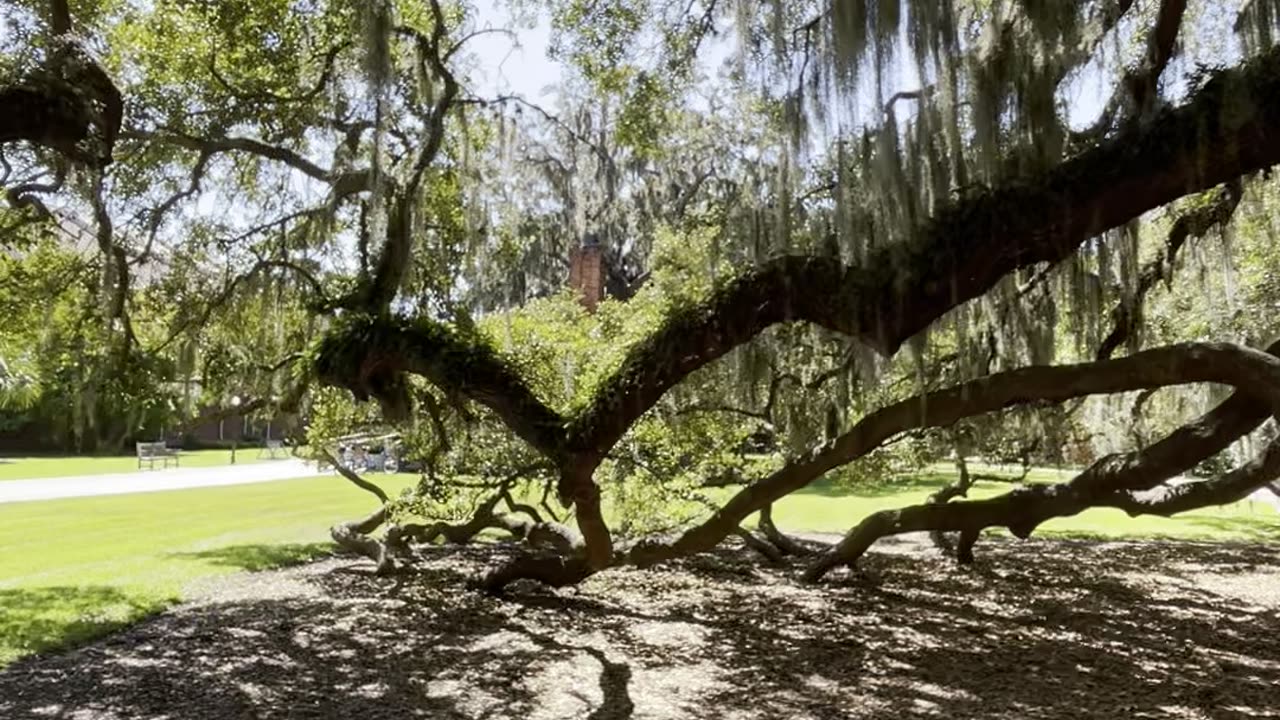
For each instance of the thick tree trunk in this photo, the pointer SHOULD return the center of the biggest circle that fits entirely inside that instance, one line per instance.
(584, 494)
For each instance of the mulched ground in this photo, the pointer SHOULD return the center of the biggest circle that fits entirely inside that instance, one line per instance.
(1038, 629)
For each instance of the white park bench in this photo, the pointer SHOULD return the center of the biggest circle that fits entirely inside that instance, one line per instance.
(151, 452)
(272, 449)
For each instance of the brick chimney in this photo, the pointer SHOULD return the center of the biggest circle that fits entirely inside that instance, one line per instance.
(586, 272)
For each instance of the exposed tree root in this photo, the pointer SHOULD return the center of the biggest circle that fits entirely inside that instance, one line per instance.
(554, 570)
(780, 540)
(770, 552)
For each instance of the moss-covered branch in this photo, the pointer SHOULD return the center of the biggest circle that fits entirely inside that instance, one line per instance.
(1225, 131)
(369, 356)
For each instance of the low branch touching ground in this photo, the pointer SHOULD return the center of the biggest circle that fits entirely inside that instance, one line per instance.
(355, 535)
(1114, 481)
(780, 540)
(1176, 364)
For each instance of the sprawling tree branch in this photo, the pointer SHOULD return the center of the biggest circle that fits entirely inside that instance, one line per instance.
(966, 249)
(266, 96)
(1172, 499)
(1116, 481)
(212, 145)
(1177, 364)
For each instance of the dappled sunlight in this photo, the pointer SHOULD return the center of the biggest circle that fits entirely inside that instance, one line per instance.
(258, 557)
(37, 619)
(1042, 628)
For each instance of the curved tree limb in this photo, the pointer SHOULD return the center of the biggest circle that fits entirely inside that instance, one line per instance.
(394, 260)
(1023, 509)
(266, 96)
(353, 477)
(776, 536)
(1224, 132)
(1178, 364)
(963, 251)
(210, 146)
(354, 535)
(367, 355)
(1231, 487)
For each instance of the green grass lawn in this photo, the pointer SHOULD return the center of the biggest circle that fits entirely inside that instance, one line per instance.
(76, 569)
(72, 570)
(22, 468)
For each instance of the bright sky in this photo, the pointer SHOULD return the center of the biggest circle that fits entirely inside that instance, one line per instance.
(516, 62)
(513, 65)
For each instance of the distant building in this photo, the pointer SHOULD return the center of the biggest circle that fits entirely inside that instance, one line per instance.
(587, 272)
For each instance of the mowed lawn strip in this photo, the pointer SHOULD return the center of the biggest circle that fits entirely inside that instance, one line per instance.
(76, 569)
(40, 466)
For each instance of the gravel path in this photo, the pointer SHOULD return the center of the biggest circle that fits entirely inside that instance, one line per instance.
(152, 480)
(1037, 629)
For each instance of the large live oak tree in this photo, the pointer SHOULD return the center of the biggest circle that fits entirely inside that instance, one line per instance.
(1225, 130)
(1033, 210)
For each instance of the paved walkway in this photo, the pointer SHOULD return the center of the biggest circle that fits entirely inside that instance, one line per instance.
(152, 480)
(1264, 495)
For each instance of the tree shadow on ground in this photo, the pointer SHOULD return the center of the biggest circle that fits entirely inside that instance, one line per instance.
(260, 557)
(1037, 629)
(38, 619)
